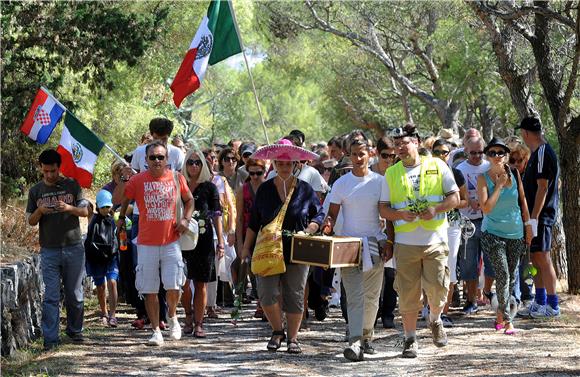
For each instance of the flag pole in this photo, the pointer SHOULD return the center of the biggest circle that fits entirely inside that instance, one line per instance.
(53, 97)
(248, 68)
(118, 156)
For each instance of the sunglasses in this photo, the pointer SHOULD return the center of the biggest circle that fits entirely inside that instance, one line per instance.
(388, 155)
(256, 173)
(475, 153)
(516, 160)
(194, 162)
(440, 152)
(158, 157)
(495, 154)
(230, 159)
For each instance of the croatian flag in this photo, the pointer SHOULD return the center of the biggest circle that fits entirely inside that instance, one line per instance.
(42, 117)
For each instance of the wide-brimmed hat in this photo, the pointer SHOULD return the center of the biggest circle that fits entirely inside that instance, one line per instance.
(496, 142)
(284, 150)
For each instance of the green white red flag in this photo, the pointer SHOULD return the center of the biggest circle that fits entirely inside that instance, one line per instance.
(215, 40)
(79, 148)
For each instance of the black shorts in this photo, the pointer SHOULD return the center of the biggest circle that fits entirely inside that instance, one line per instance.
(543, 241)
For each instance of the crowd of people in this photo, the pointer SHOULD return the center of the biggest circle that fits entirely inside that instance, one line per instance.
(432, 215)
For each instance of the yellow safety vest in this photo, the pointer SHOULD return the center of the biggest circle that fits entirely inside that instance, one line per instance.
(430, 189)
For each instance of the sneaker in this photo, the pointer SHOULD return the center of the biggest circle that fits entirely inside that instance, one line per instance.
(50, 346)
(156, 339)
(354, 352)
(368, 347)
(113, 322)
(527, 312)
(174, 329)
(76, 337)
(104, 320)
(388, 323)
(447, 322)
(439, 334)
(410, 348)
(546, 311)
(138, 324)
(469, 308)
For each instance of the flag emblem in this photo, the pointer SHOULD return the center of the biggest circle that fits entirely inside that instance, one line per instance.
(41, 116)
(204, 48)
(77, 152)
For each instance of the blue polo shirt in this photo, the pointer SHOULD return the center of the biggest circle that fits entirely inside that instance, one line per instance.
(543, 164)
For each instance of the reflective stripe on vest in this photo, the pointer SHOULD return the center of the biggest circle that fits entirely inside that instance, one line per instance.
(430, 189)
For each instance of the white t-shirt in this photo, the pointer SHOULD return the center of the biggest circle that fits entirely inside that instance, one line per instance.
(359, 199)
(470, 173)
(139, 161)
(422, 236)
(309, 175)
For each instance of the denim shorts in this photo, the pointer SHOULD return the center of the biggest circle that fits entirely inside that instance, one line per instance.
(99, 272)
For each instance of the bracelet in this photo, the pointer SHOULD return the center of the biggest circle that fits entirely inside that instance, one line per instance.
(391, 242)
(220, 246)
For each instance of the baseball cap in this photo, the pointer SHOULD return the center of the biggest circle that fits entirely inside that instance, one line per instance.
(530, 124)
(104, 199)
(248, 148)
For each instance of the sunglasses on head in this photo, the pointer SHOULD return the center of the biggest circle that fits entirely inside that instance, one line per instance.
(388, 155)
(256, 173)
(440, 152)
(495, 153)
(194, 162)
(158, 157)
(476, 153)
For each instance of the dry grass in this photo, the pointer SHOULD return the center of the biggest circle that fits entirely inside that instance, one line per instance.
(18, 238)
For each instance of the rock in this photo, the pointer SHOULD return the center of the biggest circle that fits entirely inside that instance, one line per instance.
(21, 304)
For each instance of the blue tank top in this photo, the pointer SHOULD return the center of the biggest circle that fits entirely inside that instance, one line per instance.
(505, 219)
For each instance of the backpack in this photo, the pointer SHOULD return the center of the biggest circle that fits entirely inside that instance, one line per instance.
(101, 241)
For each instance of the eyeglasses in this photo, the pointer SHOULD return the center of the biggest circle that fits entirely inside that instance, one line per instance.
(495, 153)
(158, 157)
(516, 160)
(194, 162)
(230, 159)
(256, 173)
(388, 155)
(476, 153)
(440, 152)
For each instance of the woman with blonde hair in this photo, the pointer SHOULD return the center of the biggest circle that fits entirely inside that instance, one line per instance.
(200, 261)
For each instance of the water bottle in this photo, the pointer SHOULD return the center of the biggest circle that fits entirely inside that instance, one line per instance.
(123, 238)
(529, 272)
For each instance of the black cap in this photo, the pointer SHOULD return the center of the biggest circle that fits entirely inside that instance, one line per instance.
(496, 142)
(530, 124)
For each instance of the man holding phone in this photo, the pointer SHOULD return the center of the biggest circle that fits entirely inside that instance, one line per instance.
(55, 204)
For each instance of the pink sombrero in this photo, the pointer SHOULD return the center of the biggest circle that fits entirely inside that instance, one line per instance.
(283, 150)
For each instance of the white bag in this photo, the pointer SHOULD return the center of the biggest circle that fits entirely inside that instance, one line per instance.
(188, 239)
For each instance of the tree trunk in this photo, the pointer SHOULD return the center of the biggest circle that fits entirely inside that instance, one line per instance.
(558, 252)
(569, 162)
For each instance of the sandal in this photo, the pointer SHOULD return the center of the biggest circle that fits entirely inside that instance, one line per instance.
(499, 326)
(113, 322)
(293, 347)
(510, 331)
(276, 340)
(188, 326)
(211, 313)
(199, 332)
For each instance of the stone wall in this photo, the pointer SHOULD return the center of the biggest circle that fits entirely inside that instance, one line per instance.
(20, 292)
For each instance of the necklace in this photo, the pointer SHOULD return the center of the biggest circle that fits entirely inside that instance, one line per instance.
(284, 182)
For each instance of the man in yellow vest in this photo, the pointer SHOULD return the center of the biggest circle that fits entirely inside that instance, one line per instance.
(420, 191)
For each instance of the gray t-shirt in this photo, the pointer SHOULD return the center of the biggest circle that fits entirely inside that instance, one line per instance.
(57, 229)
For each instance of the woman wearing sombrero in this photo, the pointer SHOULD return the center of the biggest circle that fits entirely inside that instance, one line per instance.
(288, 204)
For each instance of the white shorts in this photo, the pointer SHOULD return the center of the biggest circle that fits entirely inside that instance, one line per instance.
(453, 241)
(151, 260)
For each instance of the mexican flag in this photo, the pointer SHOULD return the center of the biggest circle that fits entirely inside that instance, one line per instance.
(79, 148)
(215, 40)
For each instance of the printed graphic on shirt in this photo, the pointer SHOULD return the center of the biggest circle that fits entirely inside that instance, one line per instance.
(158, 198)
(415, 182)
(51, 199)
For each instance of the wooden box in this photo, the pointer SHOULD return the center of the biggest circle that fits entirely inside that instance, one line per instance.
(325, 251)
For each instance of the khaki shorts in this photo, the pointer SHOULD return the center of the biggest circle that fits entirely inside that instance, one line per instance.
(421, 267)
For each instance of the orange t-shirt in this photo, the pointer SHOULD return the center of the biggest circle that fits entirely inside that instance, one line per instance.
(156, 200)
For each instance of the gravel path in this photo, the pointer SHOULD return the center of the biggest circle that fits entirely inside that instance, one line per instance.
(544, 348)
